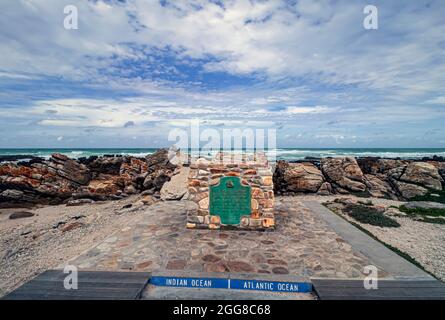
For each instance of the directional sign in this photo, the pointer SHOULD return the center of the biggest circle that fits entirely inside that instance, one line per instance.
(237, 284)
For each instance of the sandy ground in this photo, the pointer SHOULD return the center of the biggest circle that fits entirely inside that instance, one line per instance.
(29, 246)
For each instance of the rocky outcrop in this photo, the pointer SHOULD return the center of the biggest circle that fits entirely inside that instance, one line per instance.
(61, 179)
(299, 177)
(176, 188)
(378, 187)
(69, 169)
(374, 165)
(408, 190)
(344, 174)
(423, 174)
(376, 177)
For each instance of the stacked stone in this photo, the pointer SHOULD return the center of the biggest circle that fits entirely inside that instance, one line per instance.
(253, 170)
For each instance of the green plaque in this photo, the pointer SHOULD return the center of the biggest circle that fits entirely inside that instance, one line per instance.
(230, 200)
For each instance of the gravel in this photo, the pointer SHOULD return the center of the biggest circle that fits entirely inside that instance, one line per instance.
(425, 242)
(56, 234)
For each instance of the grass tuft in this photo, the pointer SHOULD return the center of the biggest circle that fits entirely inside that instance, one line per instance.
(369, 215)
(430, 197)
(425, 214)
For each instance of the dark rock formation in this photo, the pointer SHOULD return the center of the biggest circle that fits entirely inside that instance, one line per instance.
(344, 174)
(376, 177)
(21, 215)
(423, 174)
(298, 177)
(61, 179)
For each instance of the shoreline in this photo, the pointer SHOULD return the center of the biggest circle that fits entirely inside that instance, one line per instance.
(295, 154)
(24, 159)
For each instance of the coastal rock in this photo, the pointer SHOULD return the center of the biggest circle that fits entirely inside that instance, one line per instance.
(423, 174)
(378, 187)
(441, 168)
(375, 165)
(72, 226)
(104, 165)
(407, 190)
(79, 202)
(302, 177)
(176, 188)
(105, 185)
(70, 169)
(12, 194)
(161, 159)
(424, 205)
(325, 189)
(21, 215)
(345, 173)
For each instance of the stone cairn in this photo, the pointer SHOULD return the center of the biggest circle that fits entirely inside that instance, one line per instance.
(253, 171)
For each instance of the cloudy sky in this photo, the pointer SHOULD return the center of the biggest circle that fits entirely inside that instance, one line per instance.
(136, 69)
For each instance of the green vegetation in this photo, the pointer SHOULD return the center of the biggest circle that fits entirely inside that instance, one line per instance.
(369, 215)
(432, 195)
(425, 214)
(400, 253)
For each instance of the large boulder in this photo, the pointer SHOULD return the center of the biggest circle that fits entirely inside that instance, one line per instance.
(375, 165)
(176, 188)
(104, 165)
(378, 187)
(70, 169)
(344, 173)
(441, 168)
(408, 190)
(423, 174)
(302, 177)
(160, 159)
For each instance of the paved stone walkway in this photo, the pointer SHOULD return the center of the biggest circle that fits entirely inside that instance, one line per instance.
(302, 245)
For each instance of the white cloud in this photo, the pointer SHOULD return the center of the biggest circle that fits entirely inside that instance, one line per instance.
(311, 62)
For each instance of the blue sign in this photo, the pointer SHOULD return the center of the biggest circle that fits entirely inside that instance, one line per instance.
(238, 284)
(216, 283)
(274, 286)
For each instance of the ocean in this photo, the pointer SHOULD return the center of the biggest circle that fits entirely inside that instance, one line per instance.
(281, 154)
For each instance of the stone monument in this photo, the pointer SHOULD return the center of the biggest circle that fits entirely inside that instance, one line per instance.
(231, 191)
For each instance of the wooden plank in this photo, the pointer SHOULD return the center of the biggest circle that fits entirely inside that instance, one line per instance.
(91, 285)
(330, 289)
(129, 294)
(81, 285)
(62, 296)
(384, 291)
(56, 275)
(381, 283)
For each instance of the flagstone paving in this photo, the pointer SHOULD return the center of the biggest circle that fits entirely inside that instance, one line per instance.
(302, 245)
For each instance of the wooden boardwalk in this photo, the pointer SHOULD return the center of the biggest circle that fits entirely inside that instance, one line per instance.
(333, 289)
(92, 285)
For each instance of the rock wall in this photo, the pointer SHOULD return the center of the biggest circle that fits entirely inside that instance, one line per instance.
(376, 177)
(61, 179)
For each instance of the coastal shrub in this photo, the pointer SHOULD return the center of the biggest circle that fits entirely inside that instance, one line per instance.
(432, 195)
(403, 254)
(370, 215)
(425, 214)
(394, 249)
